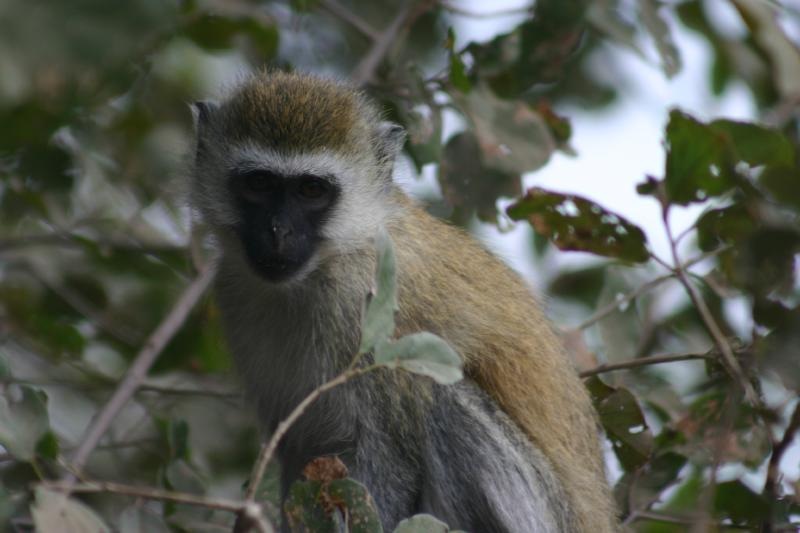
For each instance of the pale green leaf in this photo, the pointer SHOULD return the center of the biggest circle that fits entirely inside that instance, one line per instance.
(23, 422)
(54, 512)
(421, 523)
(378, 322)
(512, 137)
(422, 353)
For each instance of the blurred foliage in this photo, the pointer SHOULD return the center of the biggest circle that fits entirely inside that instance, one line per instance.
(95, 242)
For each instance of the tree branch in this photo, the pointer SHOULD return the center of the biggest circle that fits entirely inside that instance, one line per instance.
(268, 449)
(338, 10)
(141, 365)
(613, 306)
(365, 70)
(727, 357)
(644, 361)
(147, 493)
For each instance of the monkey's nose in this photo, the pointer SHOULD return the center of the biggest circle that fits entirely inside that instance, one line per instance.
(280, 235)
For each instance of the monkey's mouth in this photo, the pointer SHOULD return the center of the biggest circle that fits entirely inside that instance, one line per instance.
(275, 269)
(272, 264)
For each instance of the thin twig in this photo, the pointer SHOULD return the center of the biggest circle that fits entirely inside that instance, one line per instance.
(613, 306)
(338, 10)
(773, 470)
(728, 358)
(268, 449)
(68, 240)
(644, 361)
(141, 365)
(365, 70)
(147, 493)
(656, 516)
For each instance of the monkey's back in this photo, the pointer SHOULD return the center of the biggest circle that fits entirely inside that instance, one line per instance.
(488, 314)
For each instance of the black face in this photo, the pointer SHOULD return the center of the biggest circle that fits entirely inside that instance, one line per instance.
(282, 219)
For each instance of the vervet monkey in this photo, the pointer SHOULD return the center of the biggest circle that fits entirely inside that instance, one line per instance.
(293, 173)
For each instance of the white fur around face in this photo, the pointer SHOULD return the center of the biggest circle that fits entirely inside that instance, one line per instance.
(362, 206)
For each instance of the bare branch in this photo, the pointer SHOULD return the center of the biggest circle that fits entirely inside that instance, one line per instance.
(141, 365)
(341, 12)
(147, 493)
(613, 306)
(268, 449)
(68, 240)
(727, 356)
(365, 70)
(644, 361)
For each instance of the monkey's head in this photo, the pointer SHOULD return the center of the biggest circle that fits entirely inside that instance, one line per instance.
(291, 169)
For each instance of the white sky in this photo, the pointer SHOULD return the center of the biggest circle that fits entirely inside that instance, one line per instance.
(618, 146)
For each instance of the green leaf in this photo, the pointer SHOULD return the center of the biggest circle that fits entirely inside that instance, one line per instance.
(421, 523)
(54, 511)
(176, 436)
(726, 225)
(23, 422)
(378, 323)
(47, 447)
(735, 501)
(512, 137)
(362, 517)
(623, 422)
(303, 510)
(215, 33)
(783, 183)
(458, 71)
(467, 183)
(321, 505)
(756, 145)
(699, 160)
(537, 51)
(422, 353)
(582, 285)
(577, 224)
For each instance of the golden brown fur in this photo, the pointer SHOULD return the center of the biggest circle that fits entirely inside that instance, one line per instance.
(485, 311)
(316, 113)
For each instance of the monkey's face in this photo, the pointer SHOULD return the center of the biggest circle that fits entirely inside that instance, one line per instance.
(281, 218)
(292, 170)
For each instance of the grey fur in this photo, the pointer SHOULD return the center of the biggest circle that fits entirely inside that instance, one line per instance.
(417, 446)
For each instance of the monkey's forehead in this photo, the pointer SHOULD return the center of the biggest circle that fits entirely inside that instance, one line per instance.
(294, 111)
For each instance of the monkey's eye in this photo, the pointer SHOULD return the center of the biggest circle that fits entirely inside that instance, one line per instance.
(312, 188)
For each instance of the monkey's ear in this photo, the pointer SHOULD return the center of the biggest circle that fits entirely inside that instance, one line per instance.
(202, 110)
(392, 138)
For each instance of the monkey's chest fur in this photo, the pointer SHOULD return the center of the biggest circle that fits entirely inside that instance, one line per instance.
(417, 446)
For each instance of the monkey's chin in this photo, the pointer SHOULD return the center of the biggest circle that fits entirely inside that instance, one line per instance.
(284, 274)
